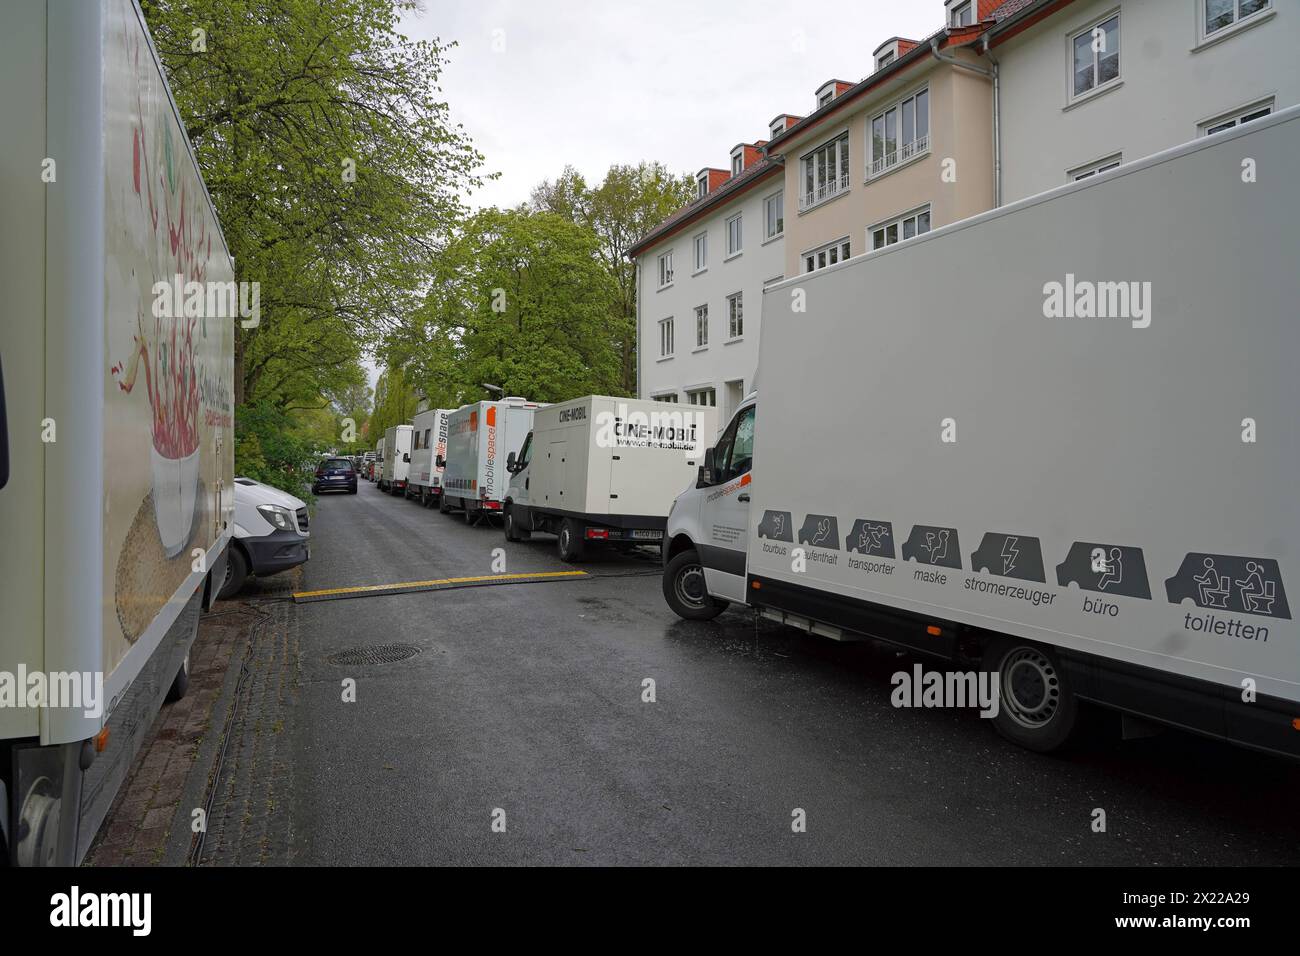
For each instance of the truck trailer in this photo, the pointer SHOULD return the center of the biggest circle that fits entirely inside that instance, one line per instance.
(604, 471)
(429, 445)
(118, 505)
(1059, 448)
(397, 459)
(479, 436)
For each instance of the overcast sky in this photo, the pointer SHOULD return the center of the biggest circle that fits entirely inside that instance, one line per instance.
(544, 83)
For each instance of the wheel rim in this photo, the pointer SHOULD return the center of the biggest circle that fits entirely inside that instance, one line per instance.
(564, 540)
(690, 587)
(230, 570)
(1031, 687)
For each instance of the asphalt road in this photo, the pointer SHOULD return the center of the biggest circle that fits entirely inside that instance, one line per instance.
(528, 699)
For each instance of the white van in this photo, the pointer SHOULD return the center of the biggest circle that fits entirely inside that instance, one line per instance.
(428, 450)
(270, 534)
(1046, 466)
(397, 459)
(479, 436)
(600, 470)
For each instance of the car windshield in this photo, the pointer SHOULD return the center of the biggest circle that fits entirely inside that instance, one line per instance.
(334, 464)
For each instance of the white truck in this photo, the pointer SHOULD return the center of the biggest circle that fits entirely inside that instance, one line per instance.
(116, 512)
(376, 469)
(397, 459)
(604, 471)
(429, 447)
(479, 436)
(1062, 450)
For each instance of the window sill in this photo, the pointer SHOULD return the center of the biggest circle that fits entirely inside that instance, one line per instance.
(1092, 94)
(699, 348)
(663, 358)
(699, 272)
(829, 199)
(895, 168)
(1218, 36)
(738, 338)
(771, 239)
(663, 287)
(734, 255)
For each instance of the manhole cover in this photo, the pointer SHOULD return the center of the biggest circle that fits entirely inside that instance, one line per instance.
(374, 654)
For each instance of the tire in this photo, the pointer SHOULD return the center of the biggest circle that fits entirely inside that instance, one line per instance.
(181, 684)
(443, 507)
(569, 541)
(352, 490)
(470, 517)
(236, 574)
(684, 589)
(1037, 708)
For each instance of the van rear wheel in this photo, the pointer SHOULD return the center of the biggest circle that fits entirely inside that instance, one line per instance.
(1037, 708)
(685, 590)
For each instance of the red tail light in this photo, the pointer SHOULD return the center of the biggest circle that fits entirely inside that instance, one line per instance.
(598, 534)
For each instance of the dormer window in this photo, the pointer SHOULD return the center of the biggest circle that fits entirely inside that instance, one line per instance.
(825, 98)
(737, 162)
(885, 59)
(886, 53)
(701, 185)
(961, 14)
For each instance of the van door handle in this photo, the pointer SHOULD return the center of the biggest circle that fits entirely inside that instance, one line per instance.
(744, 498)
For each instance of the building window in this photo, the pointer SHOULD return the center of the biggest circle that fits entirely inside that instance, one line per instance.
(701, 326)
(774, 215)
(1094, 169)
(665, 338)
(1224, 13)
(702, 186)
(702, 396)
(827, 255)
(1096, 56)
(776, 129)
(825, 98)
(905, 227)
(737, 162)
(962, 15)
(735, 237)
(885, 59)
(825, 172)
(900, 132)
(666, 269)
(1228, 121)
(735, 316)
(666, 397)
(701, 252)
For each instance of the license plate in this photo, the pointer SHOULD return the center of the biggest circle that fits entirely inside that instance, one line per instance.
(648, 535)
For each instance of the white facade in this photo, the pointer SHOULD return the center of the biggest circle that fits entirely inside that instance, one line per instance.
(1174, 81)
(717, 369)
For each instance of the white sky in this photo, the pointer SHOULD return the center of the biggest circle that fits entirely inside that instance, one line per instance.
(679, 81)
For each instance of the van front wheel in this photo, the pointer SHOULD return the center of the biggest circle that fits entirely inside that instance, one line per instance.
(1036, 707)
(685, 591)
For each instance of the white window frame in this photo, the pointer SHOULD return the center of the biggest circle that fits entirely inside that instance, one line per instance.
(827, 254)
(1238, 21)
(702, 326)
(666, 343)
(886, 58)
(665, 267)
(733, 251)
(956, 9)
(735, 316)
(778, 196)
(903, 153)
(737, 162)
(700, 251)
(1234, 118)
(1096, 88)
(1095, 168)
(701, 186)
(694, 394)
(901, 222)
(825, 187)
(665, 397)
(825, 98)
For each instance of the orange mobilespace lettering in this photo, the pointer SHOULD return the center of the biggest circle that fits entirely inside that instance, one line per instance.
(491, 415)
(473, 421)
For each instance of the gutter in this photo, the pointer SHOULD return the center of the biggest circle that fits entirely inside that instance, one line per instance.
(993, 75)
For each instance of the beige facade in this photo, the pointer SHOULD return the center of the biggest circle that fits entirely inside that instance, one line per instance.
(960, 109)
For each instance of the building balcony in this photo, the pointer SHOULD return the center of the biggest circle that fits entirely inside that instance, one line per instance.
(825, 191)
(901, 155)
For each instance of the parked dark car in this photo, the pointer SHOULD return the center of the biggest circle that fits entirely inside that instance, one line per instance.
(335, 474)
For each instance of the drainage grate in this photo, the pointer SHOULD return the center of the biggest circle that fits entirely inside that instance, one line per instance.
(374, 654)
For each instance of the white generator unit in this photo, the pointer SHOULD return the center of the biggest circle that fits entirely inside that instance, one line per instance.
(479, 436)
(397, 459)
(428, 450)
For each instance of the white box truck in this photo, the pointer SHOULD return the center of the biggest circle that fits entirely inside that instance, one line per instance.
(377, 463)
(429, 447)
(1055, 443)
(397, 459)
(604, 471)
(479, 436)
(116, 509)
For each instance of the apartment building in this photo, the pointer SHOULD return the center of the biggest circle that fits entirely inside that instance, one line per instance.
(906, 150)
(1089, 84)
(700, 278)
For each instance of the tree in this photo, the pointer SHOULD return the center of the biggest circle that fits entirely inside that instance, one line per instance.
(395, 402)
(333, 165)
(627, 204)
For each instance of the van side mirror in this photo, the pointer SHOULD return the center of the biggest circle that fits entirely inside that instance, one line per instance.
(406, 457)
(510, 463)
(705, 478)
(441, 462)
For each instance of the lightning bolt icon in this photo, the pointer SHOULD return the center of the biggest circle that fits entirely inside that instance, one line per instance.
(1009, 554)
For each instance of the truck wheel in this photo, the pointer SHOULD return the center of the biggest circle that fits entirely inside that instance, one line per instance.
(1036, 707)
(685, 592)
(513, 531)
(570, 541)
(182, 682)
(443, 507)
(236, 574)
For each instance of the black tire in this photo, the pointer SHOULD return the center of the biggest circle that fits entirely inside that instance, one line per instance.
(684, 589)
(236, 574)
(352, 490)
(181, 684)
(1036, 708)
(443, 507)
(569, 541)
(512, 529)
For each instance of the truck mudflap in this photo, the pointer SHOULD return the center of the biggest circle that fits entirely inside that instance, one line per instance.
(1224, 712)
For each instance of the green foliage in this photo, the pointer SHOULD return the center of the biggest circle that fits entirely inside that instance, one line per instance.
(272, 449)
(395, 403)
